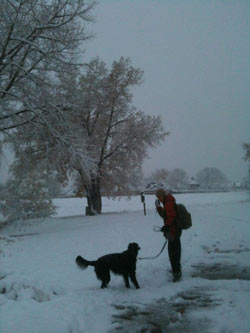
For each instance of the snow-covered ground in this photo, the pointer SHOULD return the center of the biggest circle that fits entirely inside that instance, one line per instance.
(43, 291)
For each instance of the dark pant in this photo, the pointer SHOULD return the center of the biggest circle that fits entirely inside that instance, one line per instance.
(174, 253)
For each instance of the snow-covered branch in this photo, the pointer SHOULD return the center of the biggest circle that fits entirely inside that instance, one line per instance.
(38, 39)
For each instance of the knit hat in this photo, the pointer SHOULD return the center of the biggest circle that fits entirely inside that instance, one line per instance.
(160, 192)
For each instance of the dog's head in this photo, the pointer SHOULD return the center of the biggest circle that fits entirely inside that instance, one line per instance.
(134, 248)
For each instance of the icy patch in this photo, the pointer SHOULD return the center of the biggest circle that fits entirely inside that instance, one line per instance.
(221, 272)
(165, 316)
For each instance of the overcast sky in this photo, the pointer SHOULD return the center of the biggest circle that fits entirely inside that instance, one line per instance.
(195, 56)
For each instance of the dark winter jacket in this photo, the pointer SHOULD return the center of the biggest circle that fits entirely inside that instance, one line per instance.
(168, 213)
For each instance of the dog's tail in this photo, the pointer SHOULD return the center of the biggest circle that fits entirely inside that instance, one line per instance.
(83, 263)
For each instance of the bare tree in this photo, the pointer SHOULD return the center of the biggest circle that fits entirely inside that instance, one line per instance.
(212, 179)
(118, 135)
(37, 40)
(160, 175)
(157, 178)
(178, 179)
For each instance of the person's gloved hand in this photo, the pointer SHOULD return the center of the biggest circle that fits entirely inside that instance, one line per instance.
(166, 232)
(157, 203)
(165, 229)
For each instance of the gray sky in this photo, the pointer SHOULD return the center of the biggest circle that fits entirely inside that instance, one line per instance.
(195, 56)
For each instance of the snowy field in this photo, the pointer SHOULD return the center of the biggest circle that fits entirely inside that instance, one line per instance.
(43, 291)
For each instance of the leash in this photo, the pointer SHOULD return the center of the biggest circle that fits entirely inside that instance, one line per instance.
(156, 229)
(164, 245)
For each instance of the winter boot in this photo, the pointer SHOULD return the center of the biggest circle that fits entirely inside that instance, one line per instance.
(176, 277)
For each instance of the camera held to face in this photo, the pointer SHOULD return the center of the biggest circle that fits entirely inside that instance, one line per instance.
(157, 203)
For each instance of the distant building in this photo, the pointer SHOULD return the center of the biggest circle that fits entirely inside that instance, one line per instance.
(237, 186)
(193, 184)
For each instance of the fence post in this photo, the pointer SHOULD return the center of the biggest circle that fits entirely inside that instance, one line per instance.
(144, 204)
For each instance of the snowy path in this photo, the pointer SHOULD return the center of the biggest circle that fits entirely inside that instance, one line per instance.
(42, 290)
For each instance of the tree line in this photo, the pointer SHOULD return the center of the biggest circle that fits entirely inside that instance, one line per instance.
(208, 178)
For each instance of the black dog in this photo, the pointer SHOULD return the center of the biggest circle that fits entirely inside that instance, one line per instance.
(119, 263)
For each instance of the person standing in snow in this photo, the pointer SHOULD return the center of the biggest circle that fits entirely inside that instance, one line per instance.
(170, 229)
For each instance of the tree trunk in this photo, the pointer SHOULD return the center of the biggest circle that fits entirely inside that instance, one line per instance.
(93, 192)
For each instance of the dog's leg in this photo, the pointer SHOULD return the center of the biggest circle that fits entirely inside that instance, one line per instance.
(105, 281)
(126, 280)
(134, 280)
(104, 284)
(103, 274)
